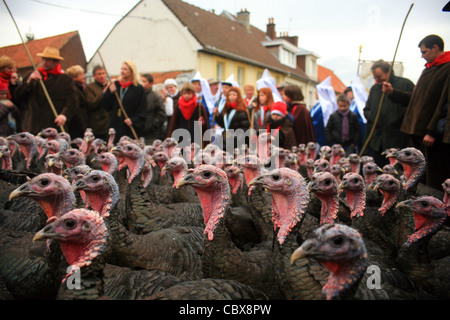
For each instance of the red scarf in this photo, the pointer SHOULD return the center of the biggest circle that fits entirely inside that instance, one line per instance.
(125, 84)
(443, 58)
(187, 108)
(261, 120)
(55, 70)
(232, 105)
(4, 78)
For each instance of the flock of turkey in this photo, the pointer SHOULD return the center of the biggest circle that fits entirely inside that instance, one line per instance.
(89, 219)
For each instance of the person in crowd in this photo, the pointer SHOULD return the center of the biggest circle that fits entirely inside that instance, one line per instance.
(77, 126)
(173, 91)
(10, 79)
(249, 92)
(299, 114)
(280, 126)
(168, 105)
(343, 126)
(187, 112)
(233, 116)
(262, 110)
(427, 111)
(8, 112)
(387, 132)
(214, 85)
(97, 115)
(354, 108)
(132, 96)
(60, 87)
(156, 114)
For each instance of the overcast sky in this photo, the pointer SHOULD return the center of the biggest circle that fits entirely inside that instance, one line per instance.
(332, 29)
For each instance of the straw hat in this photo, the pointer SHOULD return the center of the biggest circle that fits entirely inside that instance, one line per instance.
(50, 53)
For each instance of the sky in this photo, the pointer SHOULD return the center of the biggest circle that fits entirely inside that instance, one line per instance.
(332, 29)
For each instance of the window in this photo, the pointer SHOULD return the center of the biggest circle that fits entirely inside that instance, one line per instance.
(241, 76)
(287, 57)
(220, 70)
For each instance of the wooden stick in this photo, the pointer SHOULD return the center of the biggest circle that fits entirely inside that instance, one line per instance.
(118, 98)
(35, 68)
(383, 94)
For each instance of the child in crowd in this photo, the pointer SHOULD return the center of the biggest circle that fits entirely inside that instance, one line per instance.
(343, 126)
(188, 110)
(281, 126)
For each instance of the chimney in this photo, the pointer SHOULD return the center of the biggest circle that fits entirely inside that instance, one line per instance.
(243, 18)
(270, 31)
(291, 39)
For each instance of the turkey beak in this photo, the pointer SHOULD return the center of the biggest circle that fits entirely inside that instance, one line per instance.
(78, 185)
(391, 154)
(164, 169)
(258, 181)
(405, 204)
(187, 179)
(343, 185)
(46, 233)
(312, 186)
(304, 250)
(20, 191)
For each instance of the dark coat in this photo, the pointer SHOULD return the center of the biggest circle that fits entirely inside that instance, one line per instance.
(302, 122)
(98, 116)
(387, 133)
(286, 135)
(422, 113)
(156, 115)
(240, 120)
(38, 114)
(5, 128)
(333, 130)
(135, 105)
(78, 124)
(177, 121)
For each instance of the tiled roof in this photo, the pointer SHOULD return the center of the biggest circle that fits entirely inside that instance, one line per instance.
(336, 83)
(220, 35)
(18, 54)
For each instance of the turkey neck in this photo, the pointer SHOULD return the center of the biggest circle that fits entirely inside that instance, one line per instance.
(214, 204)
(357, 202)
(58, 204)
(330, 207)
(296, 281)
(413, 172)
(389, 199)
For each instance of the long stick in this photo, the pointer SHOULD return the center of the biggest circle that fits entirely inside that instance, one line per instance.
(34, 67)
(383, 93)
(118, 99)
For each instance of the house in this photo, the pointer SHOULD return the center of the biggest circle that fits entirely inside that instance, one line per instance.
(69, 45)
(323, 73)
(171, 38)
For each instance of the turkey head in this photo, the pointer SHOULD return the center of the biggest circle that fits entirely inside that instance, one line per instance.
(341, 250)
(52, 192)
(429, 215)
(213, 189)
(290, 198)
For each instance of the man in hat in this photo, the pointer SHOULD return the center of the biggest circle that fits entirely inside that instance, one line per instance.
(60, 87)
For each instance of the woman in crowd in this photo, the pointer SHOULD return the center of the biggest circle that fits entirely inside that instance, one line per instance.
(132, 95)
(299, 114)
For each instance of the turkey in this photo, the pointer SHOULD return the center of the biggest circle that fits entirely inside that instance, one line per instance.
(413, 163)
(28, 148)
(53, 163)
(83, 237)
(325, 187)
(342, 251)
(370, 171)
(148, 251)
(72, 157)
(429, 273)
(290, 201)
(178, 167)
(30, 270)
(337, 152)
(222, 258)
(144, 215)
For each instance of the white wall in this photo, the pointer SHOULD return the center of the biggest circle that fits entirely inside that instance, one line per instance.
(153, 38)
